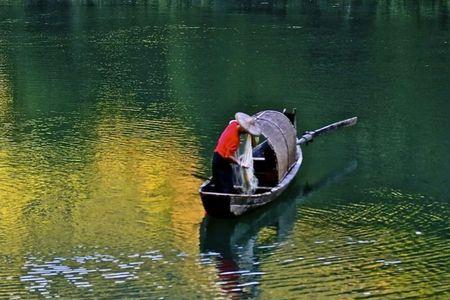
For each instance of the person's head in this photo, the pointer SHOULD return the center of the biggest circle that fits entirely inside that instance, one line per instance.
(247, 124)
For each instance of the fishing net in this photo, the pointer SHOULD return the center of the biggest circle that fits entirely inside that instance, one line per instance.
(244, 176)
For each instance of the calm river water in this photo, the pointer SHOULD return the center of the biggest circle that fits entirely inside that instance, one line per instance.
(106, 112)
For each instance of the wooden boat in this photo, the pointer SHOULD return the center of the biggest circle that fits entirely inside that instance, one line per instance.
(276, 162)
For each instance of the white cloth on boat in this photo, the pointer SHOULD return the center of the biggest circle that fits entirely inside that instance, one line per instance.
(249, 182)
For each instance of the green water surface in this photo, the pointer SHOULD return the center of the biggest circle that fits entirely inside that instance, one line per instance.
(107, 111)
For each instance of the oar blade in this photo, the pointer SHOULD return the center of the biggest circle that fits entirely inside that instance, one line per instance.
(309, 135)
(351, 121)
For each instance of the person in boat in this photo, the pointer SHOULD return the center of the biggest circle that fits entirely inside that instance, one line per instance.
(225, 151)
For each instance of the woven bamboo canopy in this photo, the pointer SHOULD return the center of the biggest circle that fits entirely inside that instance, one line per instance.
(281, 136)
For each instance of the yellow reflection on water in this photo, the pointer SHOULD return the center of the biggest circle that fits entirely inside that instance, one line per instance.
(128, 186)
(139, 185)
(8, 210)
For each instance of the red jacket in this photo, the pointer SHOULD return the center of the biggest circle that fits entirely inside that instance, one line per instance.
(229, 140)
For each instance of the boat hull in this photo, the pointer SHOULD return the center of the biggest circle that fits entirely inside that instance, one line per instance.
(233, 205)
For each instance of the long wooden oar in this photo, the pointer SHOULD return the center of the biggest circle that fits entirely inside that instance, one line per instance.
(308, 136)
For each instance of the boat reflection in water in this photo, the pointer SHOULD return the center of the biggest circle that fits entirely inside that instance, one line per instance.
(236, 245)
